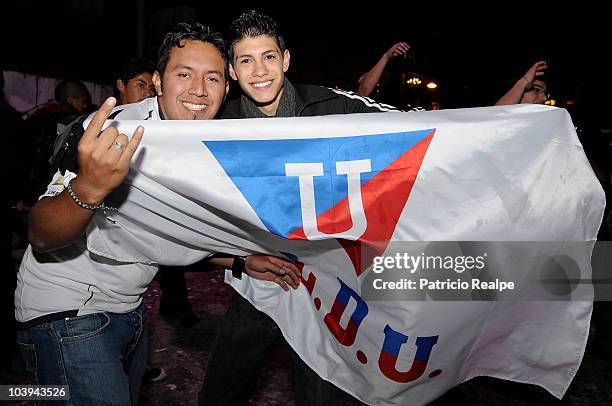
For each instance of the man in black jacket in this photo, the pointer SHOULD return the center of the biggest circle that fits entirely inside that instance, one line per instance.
(258, 62)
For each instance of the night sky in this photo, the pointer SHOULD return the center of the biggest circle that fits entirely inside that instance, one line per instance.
(474, 54)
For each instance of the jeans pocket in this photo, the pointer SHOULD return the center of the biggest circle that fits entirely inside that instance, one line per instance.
(28, 353)
(82, 327)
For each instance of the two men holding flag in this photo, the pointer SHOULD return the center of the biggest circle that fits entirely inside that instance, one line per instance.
(79, 298)
(81, 316)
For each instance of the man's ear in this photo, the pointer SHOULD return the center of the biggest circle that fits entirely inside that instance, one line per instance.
(232, 72)
(227, 85)
(286, 58)
(157, 83)
(120, 85)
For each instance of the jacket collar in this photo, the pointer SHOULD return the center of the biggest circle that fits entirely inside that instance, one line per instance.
(305, 95)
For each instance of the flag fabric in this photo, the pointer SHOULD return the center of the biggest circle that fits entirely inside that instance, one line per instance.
(335, 192)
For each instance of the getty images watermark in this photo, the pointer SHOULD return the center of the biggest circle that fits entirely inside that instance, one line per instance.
(478, 270)
(418, 264)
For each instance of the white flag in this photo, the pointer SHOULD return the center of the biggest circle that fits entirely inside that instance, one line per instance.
(340, 194)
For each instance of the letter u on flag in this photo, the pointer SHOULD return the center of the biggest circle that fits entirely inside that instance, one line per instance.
(335, 192)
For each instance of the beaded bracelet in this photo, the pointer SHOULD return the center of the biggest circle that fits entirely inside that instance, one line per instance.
(84, 205)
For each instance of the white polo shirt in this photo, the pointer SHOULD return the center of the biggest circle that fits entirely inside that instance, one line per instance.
(72, 278)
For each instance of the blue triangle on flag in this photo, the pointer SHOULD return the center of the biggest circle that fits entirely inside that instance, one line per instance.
(257, 168)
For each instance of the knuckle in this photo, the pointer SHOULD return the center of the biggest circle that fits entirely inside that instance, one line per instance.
(110, 161)
(110, 131)
(82, 149)
(122, 138)
(95, 155)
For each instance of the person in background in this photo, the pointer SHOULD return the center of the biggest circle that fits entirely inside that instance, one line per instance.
(43, 125)
(530, 88)
(369, 80)
(135, 81)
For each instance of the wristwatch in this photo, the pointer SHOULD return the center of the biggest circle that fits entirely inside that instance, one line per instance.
(238, 267)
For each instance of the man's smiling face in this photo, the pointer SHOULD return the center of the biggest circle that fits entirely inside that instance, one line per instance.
(259, 66)
(193, 85)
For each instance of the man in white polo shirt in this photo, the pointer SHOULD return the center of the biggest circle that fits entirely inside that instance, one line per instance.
(81, 317)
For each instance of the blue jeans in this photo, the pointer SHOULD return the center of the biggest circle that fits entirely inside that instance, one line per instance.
(101, 356)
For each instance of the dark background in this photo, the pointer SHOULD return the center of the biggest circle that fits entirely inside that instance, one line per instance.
(475, 53)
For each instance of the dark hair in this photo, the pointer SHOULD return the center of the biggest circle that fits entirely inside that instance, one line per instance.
(134, 67)
(67, 88)
(253, 23)
(189, 32)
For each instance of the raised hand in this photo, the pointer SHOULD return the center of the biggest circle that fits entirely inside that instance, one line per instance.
(104, 157)
(536, 70)
(398, 49)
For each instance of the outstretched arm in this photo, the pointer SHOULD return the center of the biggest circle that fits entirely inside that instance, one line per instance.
(104, 159)
(267, 268)
(515, 94)
(368, 81)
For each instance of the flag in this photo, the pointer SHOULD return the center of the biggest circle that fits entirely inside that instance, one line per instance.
(344, 195)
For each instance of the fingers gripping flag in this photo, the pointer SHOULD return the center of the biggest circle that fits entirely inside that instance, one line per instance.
(333, 193)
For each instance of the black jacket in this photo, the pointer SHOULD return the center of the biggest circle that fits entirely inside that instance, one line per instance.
(313, 100)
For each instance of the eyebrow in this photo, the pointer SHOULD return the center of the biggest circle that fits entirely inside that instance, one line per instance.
(180, 67)
(187, 67)
(263, 53)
